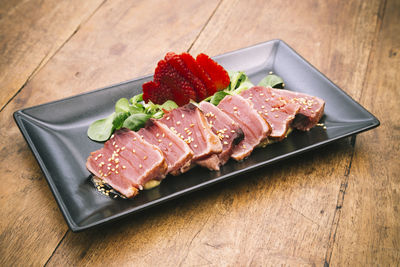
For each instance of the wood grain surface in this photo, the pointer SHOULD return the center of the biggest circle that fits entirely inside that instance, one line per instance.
(337, 206)
(31, 32)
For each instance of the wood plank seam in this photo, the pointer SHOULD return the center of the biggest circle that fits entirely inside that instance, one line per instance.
(339, 205)
(378, 28)
(43, 62)
(204, 26)
(343, 186)
(55, 249)
(27, 80)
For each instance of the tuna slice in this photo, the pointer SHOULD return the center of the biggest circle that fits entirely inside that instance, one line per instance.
(189, 124)
(127, 162)
(254, 127)
(227, 130)
(176, 152)
(310, 112)
(277, 110)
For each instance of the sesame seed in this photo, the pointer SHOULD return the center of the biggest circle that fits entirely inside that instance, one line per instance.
(226, 136)
(170, 144)
(140, 187)
(157, 135)
(123, 167)
(267, 99)
(183, 115)
(163, 135)
(178, 123)
(235, 108)
(244, 146)
(134, 138)
(167, 118)
(112, 136)
(113, 143)
(109, 164)
(195, 145)
(232, 131)
(159, 140)
(113, 169)
(225, 143)
(261, 94)
(324, 127)
(145, 157)
(140, 166)
(276, 116)
(192, 124)
(133, 150)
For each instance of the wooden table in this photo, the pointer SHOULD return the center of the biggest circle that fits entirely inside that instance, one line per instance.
(337, 206)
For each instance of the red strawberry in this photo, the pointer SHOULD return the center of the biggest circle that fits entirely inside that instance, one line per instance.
(195, 68)
(176, 61)
(156, 93)
(217, 73)
(181, 89)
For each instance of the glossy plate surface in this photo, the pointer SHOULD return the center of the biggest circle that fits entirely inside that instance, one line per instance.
(56, 134)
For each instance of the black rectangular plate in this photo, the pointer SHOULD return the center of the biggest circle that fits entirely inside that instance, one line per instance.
(56, 134)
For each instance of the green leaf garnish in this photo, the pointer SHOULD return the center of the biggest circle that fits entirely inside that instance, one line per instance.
(217, 97)
(119, 119)
(102, 129)
(168, 105)
(136, 121)
(137, 99)
(272, 80)
(122, 105)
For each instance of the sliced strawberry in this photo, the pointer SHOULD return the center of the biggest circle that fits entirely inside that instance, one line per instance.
(218, 74)
(195, 68)
(168, 77)
(176, 61)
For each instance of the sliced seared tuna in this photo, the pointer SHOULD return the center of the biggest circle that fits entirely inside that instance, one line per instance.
(189, 124)
(279, 111)
(227, 130)
(176, 152)
(127, 162)
(310, 112)
(254, 127)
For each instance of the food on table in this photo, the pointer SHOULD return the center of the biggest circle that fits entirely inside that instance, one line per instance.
(254, 127)
(175, 135)
(189, 124)
(310, 112)
(227, 130)
(177, 153)
(279, 111)
(127, 162)
(181, 78)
